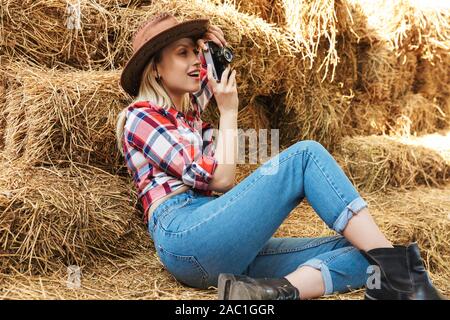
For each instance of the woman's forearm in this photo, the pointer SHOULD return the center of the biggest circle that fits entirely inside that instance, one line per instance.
(226, 153)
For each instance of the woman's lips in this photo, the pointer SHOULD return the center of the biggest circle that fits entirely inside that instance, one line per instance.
(195, 78)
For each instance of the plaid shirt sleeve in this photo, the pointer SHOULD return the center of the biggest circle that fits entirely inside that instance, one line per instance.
(204, 95)
(158, 138)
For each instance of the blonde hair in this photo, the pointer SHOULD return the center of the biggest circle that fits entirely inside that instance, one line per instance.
(150, 89)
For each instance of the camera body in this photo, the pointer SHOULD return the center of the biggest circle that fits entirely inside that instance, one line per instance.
(218, 57)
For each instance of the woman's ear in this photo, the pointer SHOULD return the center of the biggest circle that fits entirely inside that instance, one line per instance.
(156, 74)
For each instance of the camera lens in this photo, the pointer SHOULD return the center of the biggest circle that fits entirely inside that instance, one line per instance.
(228, 55)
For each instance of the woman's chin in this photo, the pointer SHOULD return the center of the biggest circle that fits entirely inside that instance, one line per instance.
(194, 89)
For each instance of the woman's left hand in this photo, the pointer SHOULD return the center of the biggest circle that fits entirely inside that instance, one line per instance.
(214, 34)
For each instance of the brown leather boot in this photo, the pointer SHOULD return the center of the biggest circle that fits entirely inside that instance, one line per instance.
(241, 287)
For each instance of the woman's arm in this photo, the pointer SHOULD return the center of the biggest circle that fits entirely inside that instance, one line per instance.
(226, 153)
(226, 97)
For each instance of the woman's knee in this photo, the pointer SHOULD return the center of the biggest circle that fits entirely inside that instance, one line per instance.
(311, 146)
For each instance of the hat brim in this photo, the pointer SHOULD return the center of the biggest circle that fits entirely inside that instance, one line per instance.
(132, 72)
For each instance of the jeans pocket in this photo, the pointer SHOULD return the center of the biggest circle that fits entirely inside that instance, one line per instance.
(166, 217)
(186, 269)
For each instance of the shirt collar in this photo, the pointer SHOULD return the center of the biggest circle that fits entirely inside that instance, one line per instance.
(175, 112)
(171, 110)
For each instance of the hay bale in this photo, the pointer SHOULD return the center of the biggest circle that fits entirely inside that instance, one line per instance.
(48, 33)
(55, 115)
(266, 59)
(271, 11)
(433, 82)
(403, 45)
(366, 117)
(2, 107)
(407, 25)
(313, 25)
(251, 114)
(413, 114)
(311, 109)
(375, 163)
(317, 113)
(51, 218)
(107, 35)
(384, 75)
(421, 216)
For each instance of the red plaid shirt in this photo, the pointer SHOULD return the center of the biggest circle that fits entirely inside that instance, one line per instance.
(165, 150)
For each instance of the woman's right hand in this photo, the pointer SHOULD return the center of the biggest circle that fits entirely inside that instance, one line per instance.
(225, 91)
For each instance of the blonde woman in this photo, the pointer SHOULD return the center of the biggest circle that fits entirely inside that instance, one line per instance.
(227, 241)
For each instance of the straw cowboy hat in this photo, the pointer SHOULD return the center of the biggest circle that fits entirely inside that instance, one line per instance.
(152, 36)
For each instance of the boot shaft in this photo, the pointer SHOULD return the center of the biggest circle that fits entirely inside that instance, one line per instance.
(402, 275)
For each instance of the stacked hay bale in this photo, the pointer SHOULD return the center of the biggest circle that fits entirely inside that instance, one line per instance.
(316, 108)
(63, 115)
(49, 33)
(77, 33)
(63, 200)
(376, 163)
(270, 59)
(56, 217)
(400, 45)
(378, 53)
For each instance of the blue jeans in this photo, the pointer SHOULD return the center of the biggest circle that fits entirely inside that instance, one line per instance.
(198, 237)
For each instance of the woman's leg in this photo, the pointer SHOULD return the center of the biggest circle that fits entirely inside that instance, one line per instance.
(227, 233)
(364, 234)
(326, 264)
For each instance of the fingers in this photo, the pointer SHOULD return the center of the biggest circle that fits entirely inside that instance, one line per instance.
(232, 79)
(211, 77)
(224, 78)
(216, 28)
(214, 38)
(201, 44)
(215, 34)
(219, 35)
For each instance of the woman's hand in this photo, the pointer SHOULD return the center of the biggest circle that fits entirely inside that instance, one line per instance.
(214, 34)
(225, 91)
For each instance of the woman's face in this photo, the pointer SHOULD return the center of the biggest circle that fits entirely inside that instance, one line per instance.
(178, 59)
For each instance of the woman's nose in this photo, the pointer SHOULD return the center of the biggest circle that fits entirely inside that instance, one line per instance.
(197, 59)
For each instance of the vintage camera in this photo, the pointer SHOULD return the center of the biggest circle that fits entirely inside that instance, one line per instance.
(218, 57)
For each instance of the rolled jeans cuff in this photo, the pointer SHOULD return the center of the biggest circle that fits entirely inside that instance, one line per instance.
(350, 210)
(326, 275)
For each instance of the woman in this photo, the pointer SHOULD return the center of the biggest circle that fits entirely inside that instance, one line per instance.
(226, 241)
